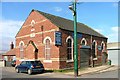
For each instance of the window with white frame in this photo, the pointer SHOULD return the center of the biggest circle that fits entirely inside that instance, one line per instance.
(21, 45)
(83, 42)
(102, 46)
(47, 49)
(32, 23)
(69, 49)
(94, 47)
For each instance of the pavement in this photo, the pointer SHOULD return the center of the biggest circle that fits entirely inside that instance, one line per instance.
(98, 69)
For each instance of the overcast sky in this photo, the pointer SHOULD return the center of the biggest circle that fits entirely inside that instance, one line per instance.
(101, 16)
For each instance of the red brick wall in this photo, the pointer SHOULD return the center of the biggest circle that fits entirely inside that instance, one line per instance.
(63, 51)
(29, 52)
(58, 53)
(63, 48)
(48, 30)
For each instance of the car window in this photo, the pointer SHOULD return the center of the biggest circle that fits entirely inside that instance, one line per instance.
(35, 62)
(23, 62)
(27, 62)
(32, 62)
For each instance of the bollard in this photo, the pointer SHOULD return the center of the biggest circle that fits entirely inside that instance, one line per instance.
(109, 62)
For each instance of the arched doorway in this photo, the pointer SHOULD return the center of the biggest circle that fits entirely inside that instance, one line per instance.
(33, 48)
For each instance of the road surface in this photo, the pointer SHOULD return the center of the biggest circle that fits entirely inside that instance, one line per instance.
(9, 72)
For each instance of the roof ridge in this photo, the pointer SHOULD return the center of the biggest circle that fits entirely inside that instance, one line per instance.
(61, 17)
(52, 15)
(58, 16)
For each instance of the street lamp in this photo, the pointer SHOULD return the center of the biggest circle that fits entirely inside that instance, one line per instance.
(73, 9)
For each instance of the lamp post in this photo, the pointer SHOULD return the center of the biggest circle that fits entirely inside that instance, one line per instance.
(73, 9)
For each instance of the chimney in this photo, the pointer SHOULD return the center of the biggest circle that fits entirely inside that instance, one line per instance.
(11, 45)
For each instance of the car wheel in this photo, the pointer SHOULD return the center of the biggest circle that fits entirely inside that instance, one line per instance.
(29, 71)
(17, 70)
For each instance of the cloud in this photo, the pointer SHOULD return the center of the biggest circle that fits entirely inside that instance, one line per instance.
(115, 29)
(58, 9)
(8, 30)
(10, 27)
(5, 43)
(113, 36)
(99, 30)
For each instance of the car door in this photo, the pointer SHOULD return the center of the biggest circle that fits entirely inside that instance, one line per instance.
(27, 66)
(22, 66)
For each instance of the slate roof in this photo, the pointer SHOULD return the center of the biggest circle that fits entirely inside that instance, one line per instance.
(67, 24)
(10, 52)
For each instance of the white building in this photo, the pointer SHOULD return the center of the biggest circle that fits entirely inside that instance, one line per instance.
(113, 50)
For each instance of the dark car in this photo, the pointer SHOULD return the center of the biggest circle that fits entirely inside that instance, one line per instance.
(13, 63)
(30, 67)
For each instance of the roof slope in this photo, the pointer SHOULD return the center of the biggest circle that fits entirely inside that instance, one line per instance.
(68, 24)
(10, 52)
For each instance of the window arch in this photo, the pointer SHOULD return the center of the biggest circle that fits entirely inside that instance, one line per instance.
(84, 42)
(32, 23)
(21, 46)
(94, 49)
(69, 41)
(102, 46)
(21, 42)
(47, 42)
(44, 41)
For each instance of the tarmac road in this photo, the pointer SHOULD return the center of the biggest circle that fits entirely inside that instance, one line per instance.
(9, 72)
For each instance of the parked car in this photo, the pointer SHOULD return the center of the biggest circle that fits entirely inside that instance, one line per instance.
(13, 63)
(30, 67)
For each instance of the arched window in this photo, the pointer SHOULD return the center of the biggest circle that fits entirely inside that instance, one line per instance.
(83, 41)
(21, 45)
(102, 46)
(47, 41)
(47, 49)
(69, 48)
(32, 23)
(94, 52)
